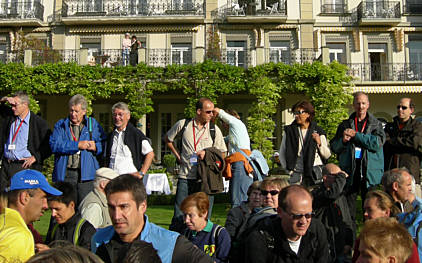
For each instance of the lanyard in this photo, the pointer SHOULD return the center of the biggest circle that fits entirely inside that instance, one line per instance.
(356, 124)
(71, 132)
(193, 129)
(15, 133)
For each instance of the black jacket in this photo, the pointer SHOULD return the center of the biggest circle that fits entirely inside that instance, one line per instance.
(38, 135)
(210, 170)
(406, 144)
(331, 208)
(133, 139)
(66, 231)
(268, 244)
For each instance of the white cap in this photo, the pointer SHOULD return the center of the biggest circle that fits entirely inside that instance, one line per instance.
(106, 173)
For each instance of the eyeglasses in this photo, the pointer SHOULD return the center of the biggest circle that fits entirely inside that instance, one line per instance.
(272, 192)
(15, 105)
(299, 216)
(299, 112)
(208, 111)
(401, 107)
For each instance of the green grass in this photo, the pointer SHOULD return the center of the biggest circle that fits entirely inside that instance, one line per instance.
(158, 214)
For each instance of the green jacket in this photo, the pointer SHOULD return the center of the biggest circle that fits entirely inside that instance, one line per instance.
(371, 142)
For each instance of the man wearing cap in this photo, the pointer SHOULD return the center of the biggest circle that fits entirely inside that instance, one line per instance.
(94, 207)
(27, 200)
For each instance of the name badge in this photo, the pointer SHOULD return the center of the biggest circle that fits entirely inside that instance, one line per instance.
(78, 152)
(358, 153)
(193, 159)
(11, 147)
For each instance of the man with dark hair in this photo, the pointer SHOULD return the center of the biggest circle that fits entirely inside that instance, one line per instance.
(126, 197)
(196, 136)
(27, 201)
(68, 224)
(128, 150)
(141, 251)
(75, 142)
(403, 146)
(358, 144)
(293, 236)
(398, 184)
(23, 138)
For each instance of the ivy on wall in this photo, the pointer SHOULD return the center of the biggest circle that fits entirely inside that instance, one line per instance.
(322, 84)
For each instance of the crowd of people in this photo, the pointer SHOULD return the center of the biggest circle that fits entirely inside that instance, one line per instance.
(98, 200)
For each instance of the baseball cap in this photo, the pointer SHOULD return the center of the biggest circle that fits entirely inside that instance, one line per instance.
(106, 173)
(31, 179)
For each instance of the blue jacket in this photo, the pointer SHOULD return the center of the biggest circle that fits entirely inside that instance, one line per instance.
(161, 239)
(63, 145)
(371, 142)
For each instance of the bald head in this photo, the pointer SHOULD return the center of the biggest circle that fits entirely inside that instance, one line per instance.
(293, 194)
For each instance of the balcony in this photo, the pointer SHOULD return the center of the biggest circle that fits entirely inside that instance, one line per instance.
(379, 13)
(290, 57)
(129, 12)
(21, 14)
(412, 8)
(335, 9)
(7, 56)
(54, 56)
(162, 57)
(258, 11)
(398, 72)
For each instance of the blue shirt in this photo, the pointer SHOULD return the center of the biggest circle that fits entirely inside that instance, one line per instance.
(21, 140)
(238, 133)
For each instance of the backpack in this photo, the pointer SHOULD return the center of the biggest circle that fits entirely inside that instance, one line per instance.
(258, 163)
(413, 223)
(215, 233)
(179, 135)
(76, 233)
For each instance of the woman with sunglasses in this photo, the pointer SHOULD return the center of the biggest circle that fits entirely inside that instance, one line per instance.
(304, 146)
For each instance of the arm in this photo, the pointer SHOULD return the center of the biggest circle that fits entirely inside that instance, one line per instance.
(233, 221)
(60, 143)
(323, 149)
(185, 252)
(282, 152)
(371, 142)
(336, 188)
(412, 140)
(98, 137)
(171, 135)
(337, 145)
(255, 248)
(91, 213)
(223, 246)
(147, 162)
(322, 254)
(87, 232)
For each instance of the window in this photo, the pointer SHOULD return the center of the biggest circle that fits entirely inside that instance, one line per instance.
(333, 6)
(3, 52)
(337, 52)
(94, 49)
(181, 53)
(236, 53)
(280, 52)
(415, 51)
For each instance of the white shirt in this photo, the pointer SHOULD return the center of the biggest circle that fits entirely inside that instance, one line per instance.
(121, 157)
(294, 245)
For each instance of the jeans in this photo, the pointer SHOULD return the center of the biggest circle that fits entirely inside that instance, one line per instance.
(82, 187)
(239, 184)
(125, 57)
(186, 187)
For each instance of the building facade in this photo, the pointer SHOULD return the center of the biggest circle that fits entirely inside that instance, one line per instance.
(379, 40)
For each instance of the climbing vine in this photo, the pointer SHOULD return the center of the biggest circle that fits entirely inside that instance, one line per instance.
(322, 84)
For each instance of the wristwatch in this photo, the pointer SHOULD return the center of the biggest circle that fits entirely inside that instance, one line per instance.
(141, 173)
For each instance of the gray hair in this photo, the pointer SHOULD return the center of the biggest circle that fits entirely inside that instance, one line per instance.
(392, 176)
(78, 99)
(98, 181)
(23, 96)
(358, 94)
(121, 106)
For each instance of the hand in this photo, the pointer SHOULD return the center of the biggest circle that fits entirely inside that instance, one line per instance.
(41, 247)
(350, 132)
(347, 250)
(91, 146)
(10, 100)
(28, 161)
(316, 138)
(201, 154)
(83, 145)
(137, 174)
(215, 111)
(346, 138)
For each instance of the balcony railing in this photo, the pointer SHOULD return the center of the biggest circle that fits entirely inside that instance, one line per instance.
(385, 72)
(133, 8)
(412, 8)
(254, 8)
(294, 56)
(378, 10)
(340, 8)
(7, 56)
(55, 56)
(21, 10)
(162, 57)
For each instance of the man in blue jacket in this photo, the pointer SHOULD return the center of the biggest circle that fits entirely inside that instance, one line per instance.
(75, 142)
(358, 144)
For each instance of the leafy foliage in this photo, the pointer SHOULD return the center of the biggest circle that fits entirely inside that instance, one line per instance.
(324, 85)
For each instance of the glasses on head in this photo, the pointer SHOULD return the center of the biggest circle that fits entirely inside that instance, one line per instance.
(272, 192)
(299, 112)
(299, 216)
(401, 107)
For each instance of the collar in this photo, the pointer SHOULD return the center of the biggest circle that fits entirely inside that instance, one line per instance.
(207, 228)
(71, 221)
(118, 132)
(26, 119)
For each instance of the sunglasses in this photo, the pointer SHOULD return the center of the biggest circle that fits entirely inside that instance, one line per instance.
(272, 192)
(299, 112)
(208, 111)
(401, 107)
(299, 216)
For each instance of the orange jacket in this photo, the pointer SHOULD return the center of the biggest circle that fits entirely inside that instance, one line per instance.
(237, 157)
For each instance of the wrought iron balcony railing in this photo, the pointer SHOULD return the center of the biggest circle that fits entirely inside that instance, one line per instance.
(290, 57)
(133, 8)
(385, 72)
(55, 56)
(412, 8)
(162, 57)
(340, 8)
(378, 10)
(7, 56)
(254, 8)
(21, 10)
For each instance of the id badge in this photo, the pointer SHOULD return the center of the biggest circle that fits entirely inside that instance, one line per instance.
(358, 153)
(193, 159)
(11, 147)
(78, 152)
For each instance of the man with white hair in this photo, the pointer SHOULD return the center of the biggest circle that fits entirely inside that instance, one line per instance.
(94, 207)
